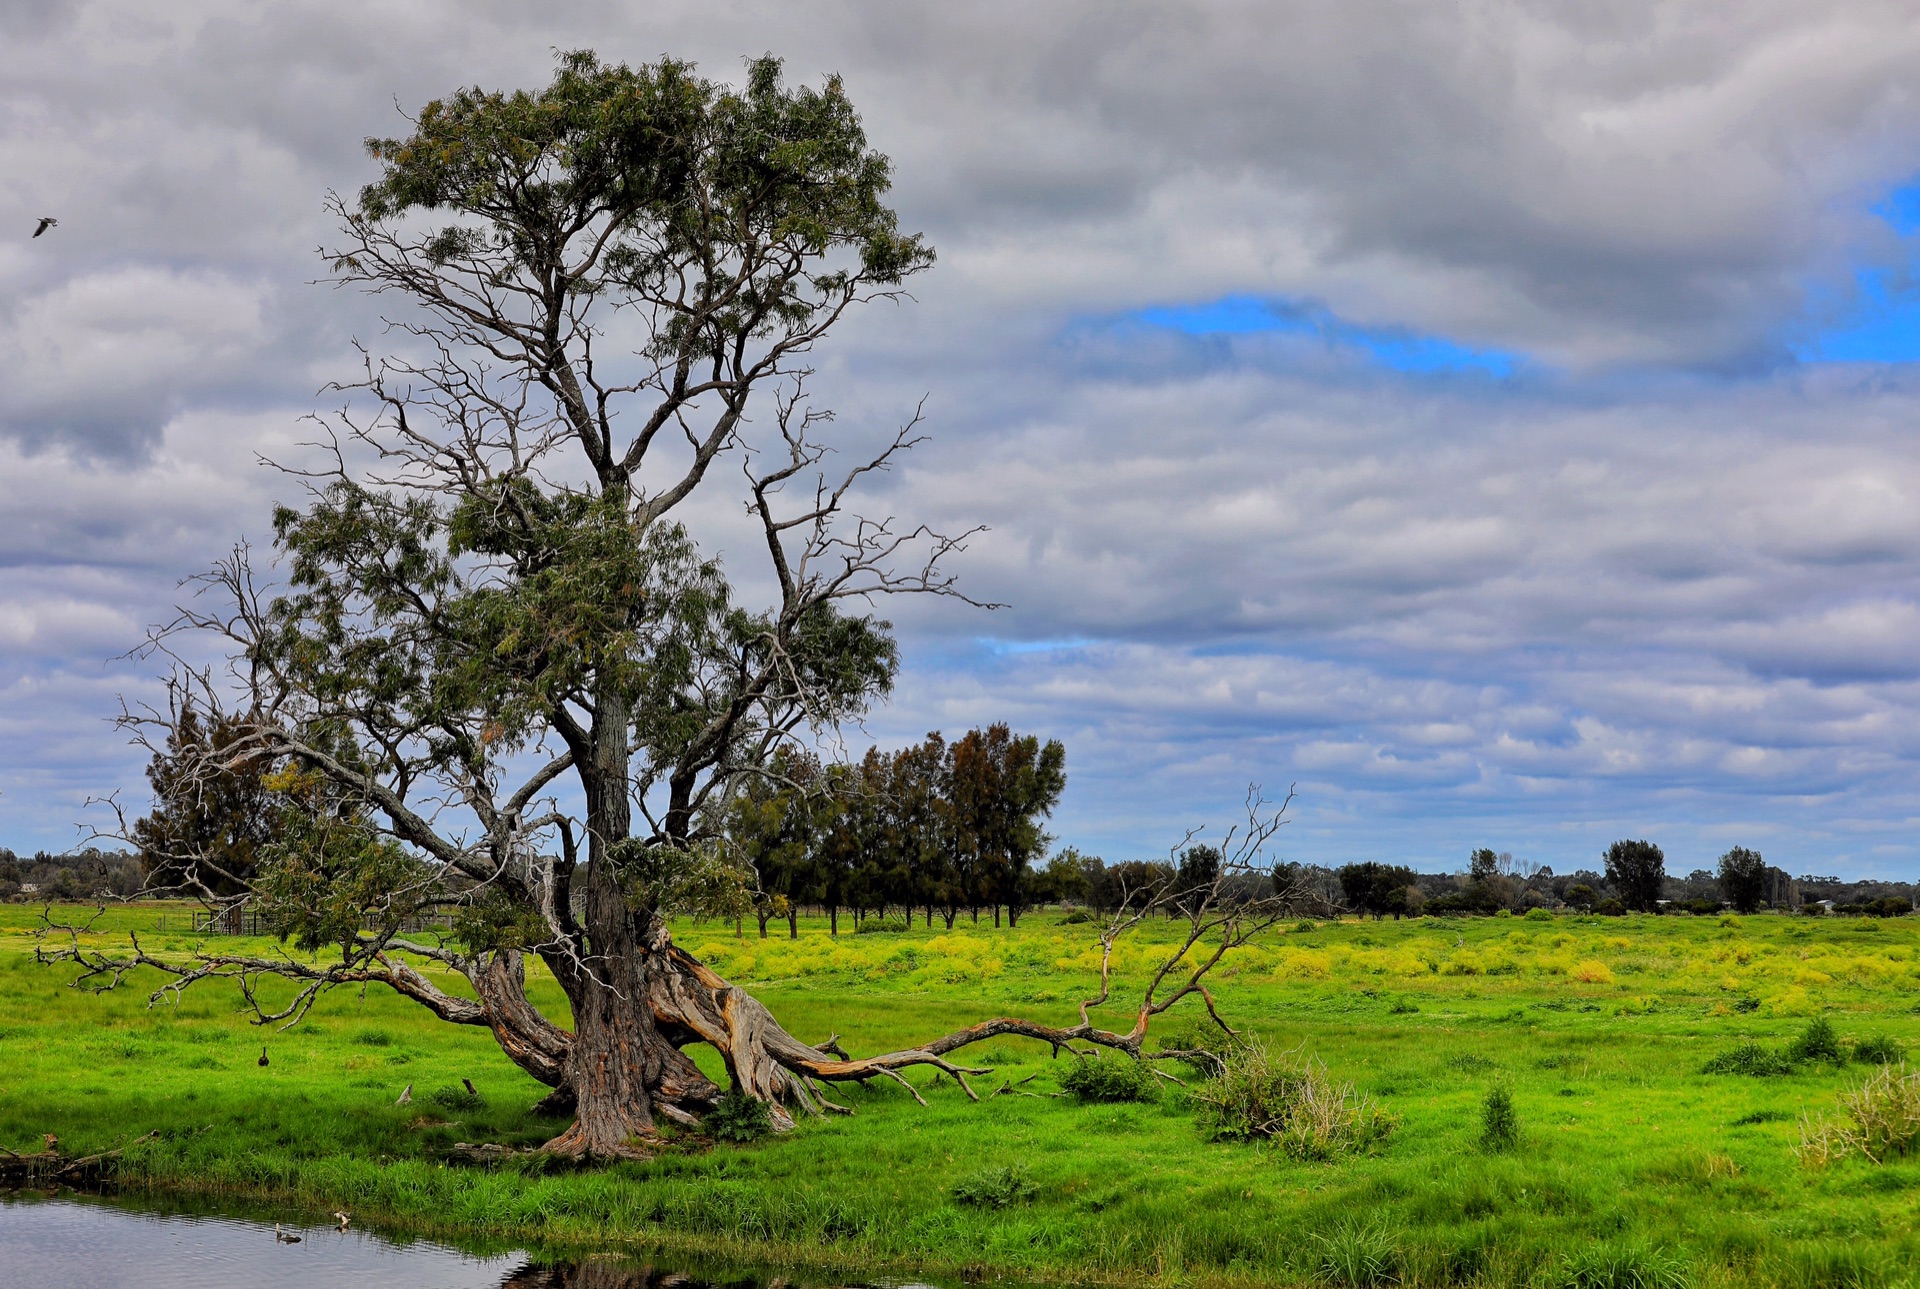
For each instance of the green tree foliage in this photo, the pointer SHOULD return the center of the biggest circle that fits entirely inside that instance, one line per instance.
(213, 814)
(1376, 888)
(935, 825)
(1198, 869)
(1636, 870)
(1743, 878)
(1483, 865)
(1001, 786)
(1069, 877)
(779, 826)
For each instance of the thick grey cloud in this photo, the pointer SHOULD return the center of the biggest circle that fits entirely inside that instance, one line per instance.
(1663, 579)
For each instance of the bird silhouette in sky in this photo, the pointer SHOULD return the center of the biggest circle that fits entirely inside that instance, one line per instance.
(46, 222)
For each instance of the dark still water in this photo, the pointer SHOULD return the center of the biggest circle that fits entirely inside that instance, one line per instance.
(92, 1244)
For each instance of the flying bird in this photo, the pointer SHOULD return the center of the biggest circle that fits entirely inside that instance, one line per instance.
(46, 222)
(343, 1219)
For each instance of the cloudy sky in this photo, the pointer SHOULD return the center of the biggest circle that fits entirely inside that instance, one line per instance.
(1496, 419)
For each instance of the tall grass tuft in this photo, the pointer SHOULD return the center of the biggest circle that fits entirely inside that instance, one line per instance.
(1880, 1049)
(1831, 1266)
(1881, 1121)
(1621, 1264)
(1289, 1098)
(996, 1187)
(1359, 1253)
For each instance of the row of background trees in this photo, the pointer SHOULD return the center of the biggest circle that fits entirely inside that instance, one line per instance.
(937, 828)
(940, 829)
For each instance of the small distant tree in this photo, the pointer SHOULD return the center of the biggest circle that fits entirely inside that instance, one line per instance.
(1743, 878)
(1199, 869)
(1637, 870)
(1483, 865)
(1070, 876)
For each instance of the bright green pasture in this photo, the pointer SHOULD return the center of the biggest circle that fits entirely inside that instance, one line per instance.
(1599, 1026)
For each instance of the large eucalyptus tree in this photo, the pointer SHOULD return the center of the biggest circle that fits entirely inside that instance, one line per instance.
(497, 675)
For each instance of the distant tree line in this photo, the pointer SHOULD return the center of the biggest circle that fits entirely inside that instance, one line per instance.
(1633, 878)
(77, 875)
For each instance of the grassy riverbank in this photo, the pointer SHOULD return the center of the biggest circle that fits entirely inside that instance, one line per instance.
(1600, 1027)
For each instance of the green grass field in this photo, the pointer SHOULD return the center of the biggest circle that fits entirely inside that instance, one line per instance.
(1600, 1027)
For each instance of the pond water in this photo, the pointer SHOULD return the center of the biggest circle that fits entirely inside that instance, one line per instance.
(85, 1243)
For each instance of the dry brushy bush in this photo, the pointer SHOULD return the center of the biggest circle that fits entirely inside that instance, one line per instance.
(1290, 1099)
(1881, 1121)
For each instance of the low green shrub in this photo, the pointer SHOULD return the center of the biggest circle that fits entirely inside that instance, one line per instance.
(1207, 1042)
(1751, 1059)
(1288, 1098)
(1880, 1049)
(882, 926)
(1109, 1079)
(1359, 1253)
(1499, 1124)
(1539, 915)
(452, 1096)
(738, 1117)
(1621, 1264)
(996, 1188)
(1880, 1121)
(1817, 1042)
(1403, 1007)
(373, 1038)
(1304, 925)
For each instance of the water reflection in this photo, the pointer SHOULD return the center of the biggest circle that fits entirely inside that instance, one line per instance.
(81, 1243)
(610, 1274)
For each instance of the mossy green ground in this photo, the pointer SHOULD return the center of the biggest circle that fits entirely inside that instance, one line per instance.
(1600, 1028)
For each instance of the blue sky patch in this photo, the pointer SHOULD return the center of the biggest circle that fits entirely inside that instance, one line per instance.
(1397, 348)
(999, 647)
(1881, 321)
